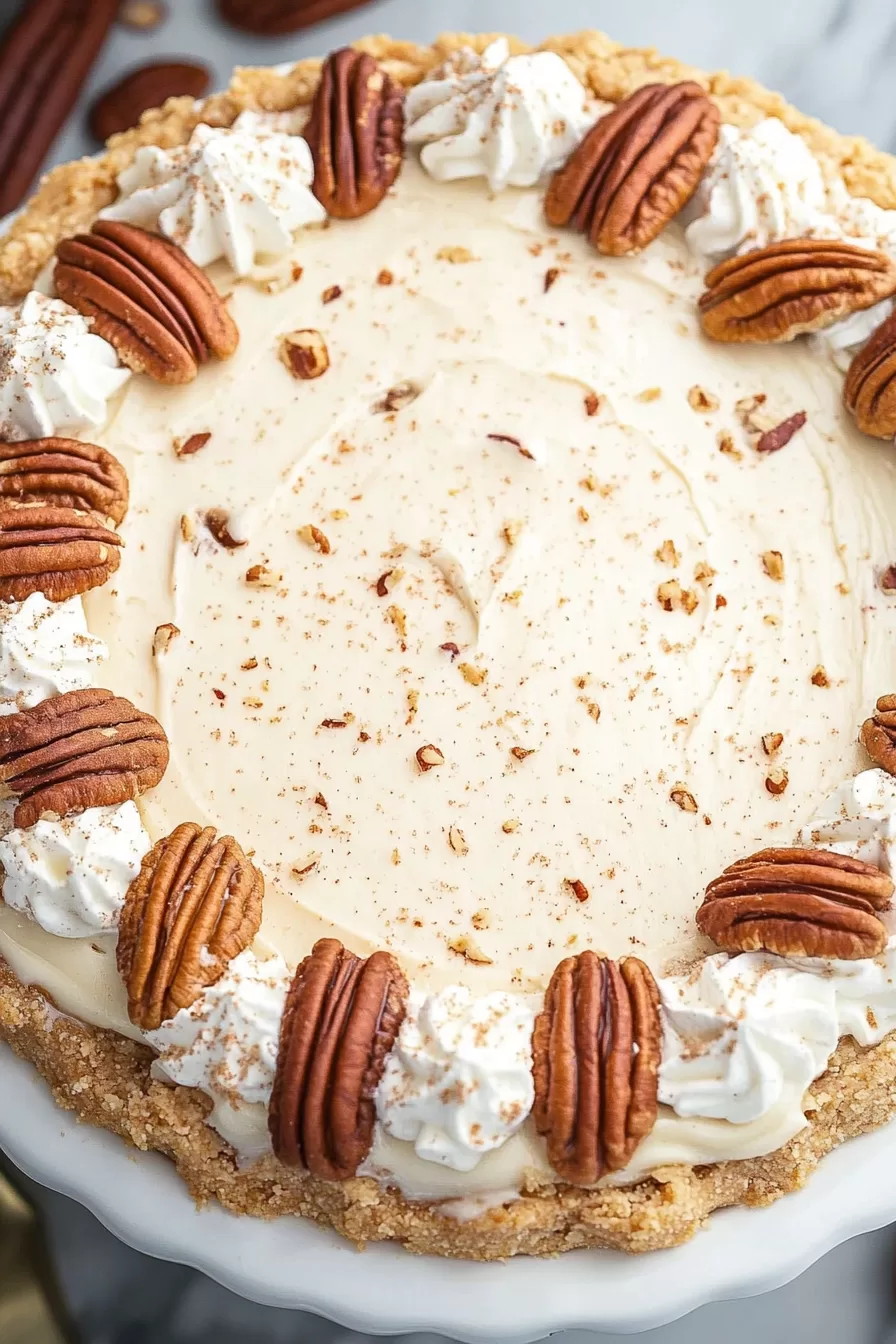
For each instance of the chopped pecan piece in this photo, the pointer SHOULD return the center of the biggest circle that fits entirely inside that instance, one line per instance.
(798, 903)
(636, 168)
(272, 18)
(355, 132)
(59, 552)
(801, 284)
(121, 105)
(596, 1051)
(774, 439)
(870, 388)
(341, 1019)
(192, 908)
(305, 353)
(82, 749)
(146, 297)
(64, 472)
(878, 734)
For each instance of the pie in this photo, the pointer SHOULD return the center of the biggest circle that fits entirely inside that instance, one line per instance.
(448, 565)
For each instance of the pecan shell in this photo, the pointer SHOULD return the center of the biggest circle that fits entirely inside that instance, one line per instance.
(879, 734)
(192, 908)
(66, 473)
(341, 1019)
(82, 749)
(801, 284)
(273, 18)
(595, 1056)
(122, 105)
(798, 903)
(45, 57)
(146, 297)
(636, 167)
(870, 388)
(355, 132)
(57, 551)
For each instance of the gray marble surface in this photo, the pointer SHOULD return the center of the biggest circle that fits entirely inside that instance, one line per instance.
(835, 59)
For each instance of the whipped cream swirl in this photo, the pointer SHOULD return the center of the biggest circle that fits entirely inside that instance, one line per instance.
(56, 377)
(71, 875)
(859, 820)
(226, 1044)
(45, 649)
(459, 1081)
(237, 193)
(511, 119)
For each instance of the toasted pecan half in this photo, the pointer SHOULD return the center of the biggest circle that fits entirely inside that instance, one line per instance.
(147, 298)
(878, 734)
(341, 1020)
(273, 18)
(82, 749)
(798, 903)
(801, 284)
(64, 472)
(870, 387)
(596, 1052)
(636, 167)
(57, 551)
(192, 908)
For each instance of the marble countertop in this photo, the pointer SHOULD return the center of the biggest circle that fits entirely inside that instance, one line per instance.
(836, 60)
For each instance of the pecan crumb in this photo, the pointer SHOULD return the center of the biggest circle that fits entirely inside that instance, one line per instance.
(307, 866)
(330, 293)
(649, 394)
(773, 564)
(162, 638)
(508, 438)
(399, 620)
(703, 573)
(726, 445)
(456, 841)
(672, 597)
(592, 403)
(397, 398)
(334, 723)
(465, 947)
(776, 438)
(218, 523)
(457, 256)
(385, 277)
(550, 277)
(511, 530)
(249, 665)
(888, 580)
(413, 704)
(583, 514)
(480, 919)
(720, 601)
(313, 537)
(683, 799)
(218, 694)
(772, 742)
(820, 677)
(428, 757)
(387, 581)
(474, 675)
(305, 353)
(520, 753)
(321, 801)
(667, 553)
(776, 781)
(187, 447)
(450, 648)
(187, 527)
(702, 401)
(508, 827)
(262, 577)
(578, 888)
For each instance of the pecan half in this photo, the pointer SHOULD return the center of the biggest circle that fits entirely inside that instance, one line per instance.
(870, 388)
(355, 132)
(121, 105)
(801, 284)
(59, 552)
(798, 903)
(272, 18)
(878, 734)
(192, 908)
(636, 168)
(44, 60)
(146, 297)
(64, 472)
(596, 1051)
(82, 749)
(341, 1019)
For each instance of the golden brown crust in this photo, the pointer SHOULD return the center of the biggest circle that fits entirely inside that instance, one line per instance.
(105, 1080)
(70, 196)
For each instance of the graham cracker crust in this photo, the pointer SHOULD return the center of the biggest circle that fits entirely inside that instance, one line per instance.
(105, 1079)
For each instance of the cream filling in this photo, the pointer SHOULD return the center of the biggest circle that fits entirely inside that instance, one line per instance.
(540, 565)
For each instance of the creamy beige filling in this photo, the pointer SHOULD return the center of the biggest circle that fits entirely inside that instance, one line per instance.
(524, 530)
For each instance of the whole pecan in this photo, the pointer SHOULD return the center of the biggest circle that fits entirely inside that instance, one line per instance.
(64, 472)
(800, 284)
(146, 297)
(870, 388)
(121, 106)
(82, 749)
(355, 132)
(192, 908)
(595, 1055)
(341, 1019)
(879, 734)
(45, 57)
(798, 903)
(57, 551)
(272, 18)
(636, 167)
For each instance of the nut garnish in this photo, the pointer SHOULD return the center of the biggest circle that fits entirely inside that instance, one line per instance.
(457, 841)
(798, 903)
(820, 677)
(341, 1019)
(397, 398)
(520, 753)
(636, 167)
(305, 353)
(870, 388)
(78, 750)
(218, 523)
(800, 284)
(193, 444)
(702, 401)
(682, 798)
(668, 555)
(428, 757)
(772, 742)
(592, 403)
(771, 440)
(773, 564)
(57, 551)
(776, 781)
(313, 537)
(457, 256)
(163, 638)
(878, 735)
(259, 576)
(550, 277)
(672, 597)
(578, 888)
(887, 579)
(66, 473)
(469, 949)
(474, 675)
(193, 907)
(596, 1051)
(147, 298)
